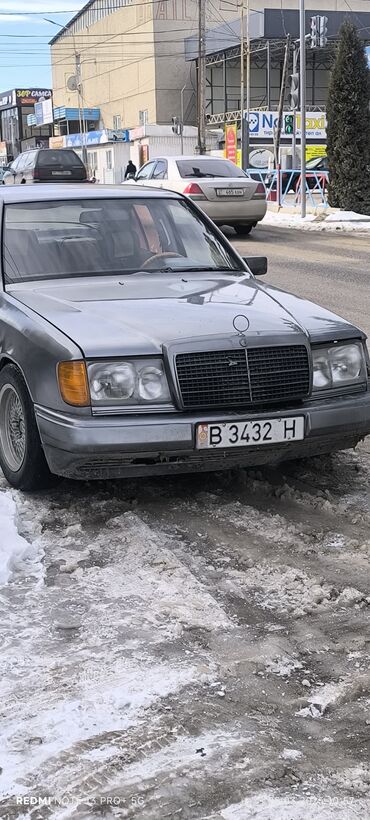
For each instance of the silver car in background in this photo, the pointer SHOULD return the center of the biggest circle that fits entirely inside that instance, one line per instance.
(221, 189)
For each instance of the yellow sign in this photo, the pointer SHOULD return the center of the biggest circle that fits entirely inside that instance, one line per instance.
(313, 151)
(57, 142)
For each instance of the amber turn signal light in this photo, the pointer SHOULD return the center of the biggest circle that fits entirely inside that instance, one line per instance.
(73, 383)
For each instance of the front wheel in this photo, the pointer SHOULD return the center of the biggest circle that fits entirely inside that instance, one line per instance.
(243, 230)
(22, 458)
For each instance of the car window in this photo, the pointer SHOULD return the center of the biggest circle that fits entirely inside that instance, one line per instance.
(145, 171)
(29, 159)
(60, 239)
(64, 158)
(15, 165)
(160, 170)
(317, 163)
(208, 167)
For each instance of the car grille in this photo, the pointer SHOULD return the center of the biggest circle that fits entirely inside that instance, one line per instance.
(234, 378)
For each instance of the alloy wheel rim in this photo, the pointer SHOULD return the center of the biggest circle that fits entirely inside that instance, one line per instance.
(12, 428)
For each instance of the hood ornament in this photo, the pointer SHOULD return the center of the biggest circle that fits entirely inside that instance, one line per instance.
(241, 324)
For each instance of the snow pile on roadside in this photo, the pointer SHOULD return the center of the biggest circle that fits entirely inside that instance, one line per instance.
(347, 216)
(330, 222)
(16, 554)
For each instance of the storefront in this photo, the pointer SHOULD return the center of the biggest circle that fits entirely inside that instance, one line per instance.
(15, 107)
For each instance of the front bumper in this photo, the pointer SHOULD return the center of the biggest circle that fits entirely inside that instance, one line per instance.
(118, 446)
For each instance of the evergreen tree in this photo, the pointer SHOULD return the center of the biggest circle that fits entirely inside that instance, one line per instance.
(348, 134)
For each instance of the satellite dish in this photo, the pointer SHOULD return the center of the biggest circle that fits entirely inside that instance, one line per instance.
(72, 83)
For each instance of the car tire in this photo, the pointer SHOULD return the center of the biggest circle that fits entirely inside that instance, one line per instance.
(243, 230)
(22, 459)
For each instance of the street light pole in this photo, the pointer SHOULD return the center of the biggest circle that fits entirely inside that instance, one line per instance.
(242, 88)
(81, 113)
(182, 118)
(302, 40)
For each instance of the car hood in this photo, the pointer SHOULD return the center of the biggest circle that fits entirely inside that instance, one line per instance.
(141, 314)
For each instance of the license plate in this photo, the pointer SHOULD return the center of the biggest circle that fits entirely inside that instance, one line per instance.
(230, 191)
(61, 173)
(249, 433)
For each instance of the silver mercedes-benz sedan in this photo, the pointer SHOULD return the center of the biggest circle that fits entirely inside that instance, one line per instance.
(134, 340)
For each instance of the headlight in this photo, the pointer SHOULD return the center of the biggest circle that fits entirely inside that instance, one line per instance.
(135, 382)
(338, 366)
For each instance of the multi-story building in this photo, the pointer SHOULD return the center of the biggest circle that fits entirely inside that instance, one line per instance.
(130, 60)
(16, 134)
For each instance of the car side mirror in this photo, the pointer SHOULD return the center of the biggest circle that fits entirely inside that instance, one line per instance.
(256, 264)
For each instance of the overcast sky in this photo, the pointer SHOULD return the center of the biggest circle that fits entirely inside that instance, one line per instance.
(25, 56)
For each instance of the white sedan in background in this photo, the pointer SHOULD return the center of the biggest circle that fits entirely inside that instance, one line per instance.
(223, 191)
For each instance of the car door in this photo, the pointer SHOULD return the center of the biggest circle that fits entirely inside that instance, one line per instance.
(11, 174)
(26, 171)
(20, 169)
(143, 176)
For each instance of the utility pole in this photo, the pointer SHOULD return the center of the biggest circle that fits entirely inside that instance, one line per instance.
(281, 101)
(202, 77)
(182, 117)
(244, 123)
(242, 88)
(294, 106)
(302, 40)
(248, 107)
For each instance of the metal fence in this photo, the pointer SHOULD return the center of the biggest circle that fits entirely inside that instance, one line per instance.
(285, 187)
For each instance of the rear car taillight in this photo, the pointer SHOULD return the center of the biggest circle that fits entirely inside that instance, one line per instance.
(36, 173)
(194, 190)
(260, 192)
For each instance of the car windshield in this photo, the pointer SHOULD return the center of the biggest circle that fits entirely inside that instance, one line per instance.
(61, 239)
(313, 163)
(208, 167)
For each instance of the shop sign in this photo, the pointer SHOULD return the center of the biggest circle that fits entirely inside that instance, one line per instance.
(231, 142)
(31, 96)
(263, 124)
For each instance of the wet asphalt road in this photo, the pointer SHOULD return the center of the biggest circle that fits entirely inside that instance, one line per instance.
(329, 268)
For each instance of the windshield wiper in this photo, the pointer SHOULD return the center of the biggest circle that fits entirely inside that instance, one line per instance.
(192, 269)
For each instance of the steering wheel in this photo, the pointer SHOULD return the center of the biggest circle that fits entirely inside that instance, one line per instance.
(159, 256)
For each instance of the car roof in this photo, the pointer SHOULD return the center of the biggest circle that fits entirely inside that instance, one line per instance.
(54, 191)
(193, 157)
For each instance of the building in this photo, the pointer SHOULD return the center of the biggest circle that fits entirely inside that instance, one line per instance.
(16, 134)
(269, 27)
(128, 60)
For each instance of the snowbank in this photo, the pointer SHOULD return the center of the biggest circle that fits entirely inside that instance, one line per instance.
(345, 221)
(14, 549)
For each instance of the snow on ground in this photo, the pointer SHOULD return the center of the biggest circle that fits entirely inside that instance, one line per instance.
(194, 647)
(16, 554)
(340, 221)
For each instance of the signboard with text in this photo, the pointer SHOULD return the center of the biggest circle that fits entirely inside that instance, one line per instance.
(263, 123)
(30, 96)
(231, 142)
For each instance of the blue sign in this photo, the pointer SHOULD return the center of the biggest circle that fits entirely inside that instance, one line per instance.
(39, 114)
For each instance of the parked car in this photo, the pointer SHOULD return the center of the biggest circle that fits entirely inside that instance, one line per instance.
(136, 341)
(290, 179)
(46, 165)
(223, 191)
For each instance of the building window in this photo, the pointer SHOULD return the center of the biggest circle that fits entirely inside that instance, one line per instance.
(92, 159)
(143, 116)
(108, 159)
(117, 122)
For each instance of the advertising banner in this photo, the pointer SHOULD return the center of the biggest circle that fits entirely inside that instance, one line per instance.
(31, 96)
(231, 142)
(263, 123)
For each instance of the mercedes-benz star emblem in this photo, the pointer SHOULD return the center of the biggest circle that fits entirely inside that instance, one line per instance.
(241, 323)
